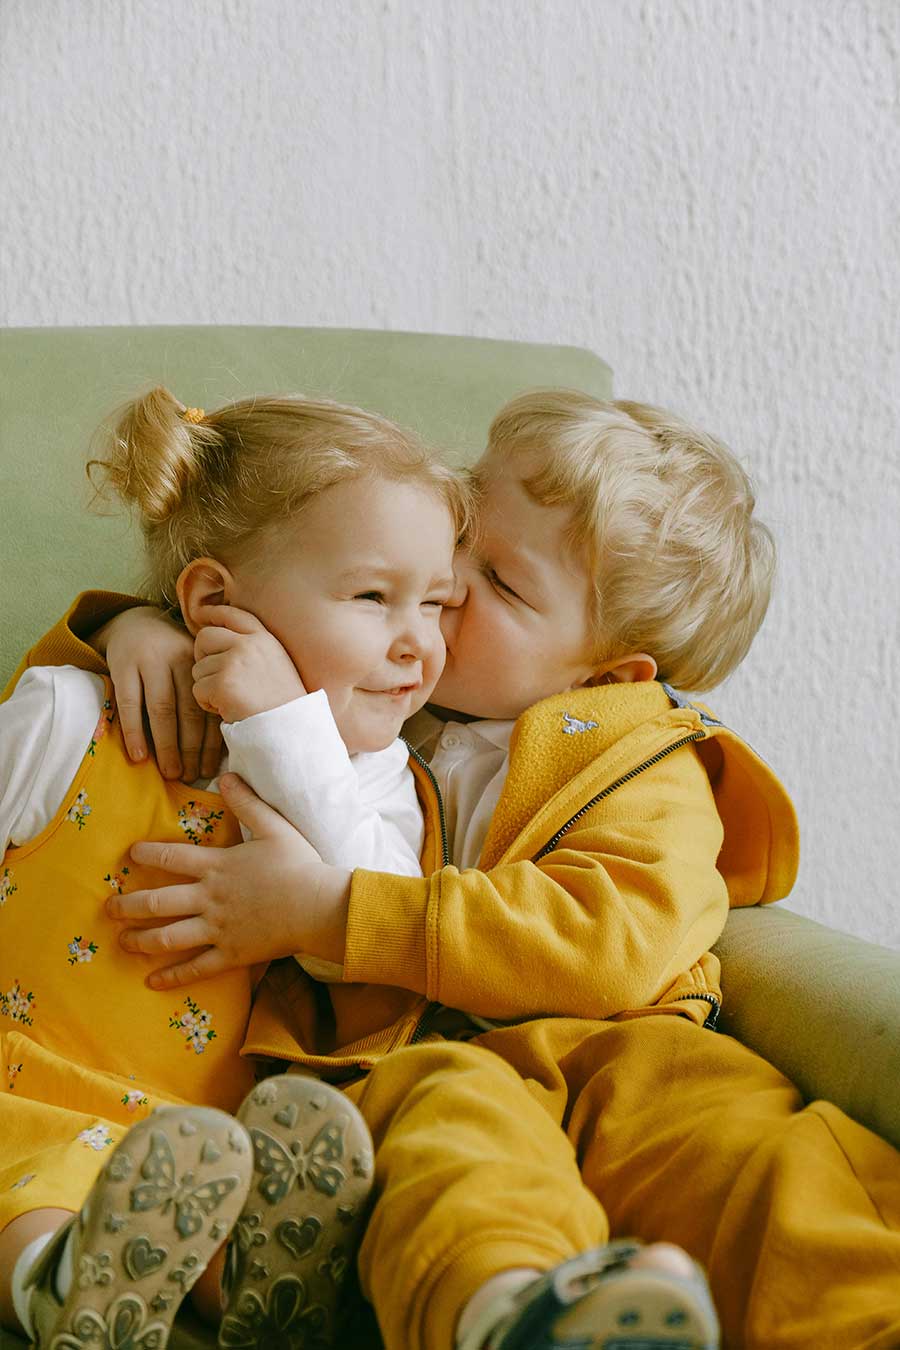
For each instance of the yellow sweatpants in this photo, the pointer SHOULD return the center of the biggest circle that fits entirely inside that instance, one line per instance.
(669, 1132)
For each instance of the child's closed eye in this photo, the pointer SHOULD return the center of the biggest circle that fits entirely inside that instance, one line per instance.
(499, 583)
(376, 596)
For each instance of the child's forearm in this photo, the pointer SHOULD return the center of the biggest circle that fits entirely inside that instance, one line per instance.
(575, 937)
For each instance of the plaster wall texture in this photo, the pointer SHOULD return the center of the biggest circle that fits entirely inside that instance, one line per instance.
(705, 193)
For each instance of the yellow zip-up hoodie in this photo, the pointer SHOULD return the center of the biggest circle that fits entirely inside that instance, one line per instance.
(629, 822)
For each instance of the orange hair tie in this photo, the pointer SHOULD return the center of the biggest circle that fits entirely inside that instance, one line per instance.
(194, 414)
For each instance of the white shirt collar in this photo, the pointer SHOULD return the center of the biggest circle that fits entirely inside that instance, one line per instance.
(423, 730)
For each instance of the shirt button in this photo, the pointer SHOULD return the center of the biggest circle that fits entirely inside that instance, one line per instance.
(450, 741)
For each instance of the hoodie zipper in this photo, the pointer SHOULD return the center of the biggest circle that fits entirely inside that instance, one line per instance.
(420, 1030)
(715, 1007)
(445, 850)
(626, 778)
(421, 1025)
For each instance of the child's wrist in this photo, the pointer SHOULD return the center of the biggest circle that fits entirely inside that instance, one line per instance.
(236, 713)
(99, 638)
(326, 935)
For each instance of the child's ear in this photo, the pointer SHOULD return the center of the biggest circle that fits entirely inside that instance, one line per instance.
(202, 583)
(632, 669)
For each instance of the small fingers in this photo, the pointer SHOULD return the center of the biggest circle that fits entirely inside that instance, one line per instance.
(191, 724)
(182, 936)
(130, 707)
(187, 859)
(261, 819)
(203, 967)
(162, 710)
(215, 639)
(212, 641)
(211, 753)
(166, 903)
(230, 617)
(206, 692)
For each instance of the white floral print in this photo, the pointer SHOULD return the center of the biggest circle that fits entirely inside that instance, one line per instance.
(7, 886)
(97, 1137)
(197, 821)
(195, 1026)
(17, 1005)
(81, 950)
(79, 811)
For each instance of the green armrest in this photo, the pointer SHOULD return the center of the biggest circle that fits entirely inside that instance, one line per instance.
(822, 1007)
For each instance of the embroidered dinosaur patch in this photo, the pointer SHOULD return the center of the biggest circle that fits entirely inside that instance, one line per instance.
(573, 727)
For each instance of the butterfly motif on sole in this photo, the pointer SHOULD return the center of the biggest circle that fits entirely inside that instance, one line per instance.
(316, 1166)
(161, 1188)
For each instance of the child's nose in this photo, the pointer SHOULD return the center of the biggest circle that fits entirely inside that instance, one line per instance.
(411, 641)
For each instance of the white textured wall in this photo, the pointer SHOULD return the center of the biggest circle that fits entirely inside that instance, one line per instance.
(707, 192)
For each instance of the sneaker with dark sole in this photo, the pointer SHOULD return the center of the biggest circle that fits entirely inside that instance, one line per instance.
(294, 1246)
(602, 1300)
(163, 1205)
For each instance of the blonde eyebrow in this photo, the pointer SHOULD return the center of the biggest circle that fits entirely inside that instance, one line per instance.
(381, 572)
(372, 569)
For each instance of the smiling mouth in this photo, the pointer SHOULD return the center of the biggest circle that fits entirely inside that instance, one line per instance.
(397, 691)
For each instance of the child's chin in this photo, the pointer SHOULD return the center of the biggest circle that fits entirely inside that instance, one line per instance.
(370, 745)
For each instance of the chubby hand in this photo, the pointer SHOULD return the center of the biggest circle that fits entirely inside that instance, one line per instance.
(271, 896)
(150, 658)
(239, 667)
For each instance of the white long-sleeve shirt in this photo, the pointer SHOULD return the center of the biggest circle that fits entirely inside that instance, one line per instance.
(47, 724)
(359, 811)
(356, 811)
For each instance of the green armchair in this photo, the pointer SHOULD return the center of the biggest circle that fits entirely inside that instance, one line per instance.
(823, 1007)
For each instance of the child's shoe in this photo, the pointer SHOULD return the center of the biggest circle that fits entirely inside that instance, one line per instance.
(295, 1243)
(604, 1300)
(160, 1209)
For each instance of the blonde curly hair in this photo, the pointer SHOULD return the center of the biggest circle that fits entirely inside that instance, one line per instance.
(663, 517)
(219, 483)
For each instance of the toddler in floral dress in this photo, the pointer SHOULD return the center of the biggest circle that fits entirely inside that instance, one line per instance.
(309, 549)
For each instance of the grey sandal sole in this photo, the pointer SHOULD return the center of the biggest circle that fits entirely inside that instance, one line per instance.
(158, 1212)
(295, 1243)
(601, 1301)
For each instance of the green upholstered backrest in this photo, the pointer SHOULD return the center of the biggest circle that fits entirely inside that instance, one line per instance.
(57, 386)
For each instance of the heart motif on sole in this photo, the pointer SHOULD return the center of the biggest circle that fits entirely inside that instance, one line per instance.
(287, 1114)
(140, 1258)
(299, 1238)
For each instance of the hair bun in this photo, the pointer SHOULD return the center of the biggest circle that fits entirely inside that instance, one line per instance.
(153, 453)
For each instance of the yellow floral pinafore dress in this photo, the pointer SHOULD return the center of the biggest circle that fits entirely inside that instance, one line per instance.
(86, 1048)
